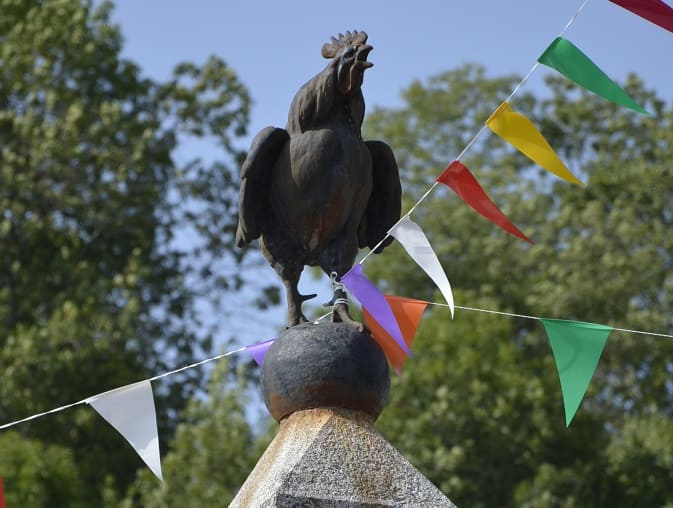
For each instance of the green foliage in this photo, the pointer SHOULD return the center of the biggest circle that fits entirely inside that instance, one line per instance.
(479, 408)
(95, 290)
(213, 452)
(641, 461)
(38, 475)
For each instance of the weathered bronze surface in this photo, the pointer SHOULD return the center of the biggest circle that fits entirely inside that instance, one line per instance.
(324, 365)
(315, 192)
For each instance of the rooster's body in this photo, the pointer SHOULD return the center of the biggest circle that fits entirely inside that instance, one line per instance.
(316, 192)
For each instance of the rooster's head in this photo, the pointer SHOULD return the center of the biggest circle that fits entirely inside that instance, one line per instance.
(350, 52)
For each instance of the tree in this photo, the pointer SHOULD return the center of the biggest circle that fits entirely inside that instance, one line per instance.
(479, 408)
(35, 474)
(95, 290)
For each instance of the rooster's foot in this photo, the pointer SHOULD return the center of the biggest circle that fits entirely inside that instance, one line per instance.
(340, 315)
(295, 315)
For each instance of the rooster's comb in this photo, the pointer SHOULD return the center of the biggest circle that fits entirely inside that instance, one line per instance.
(332, 49)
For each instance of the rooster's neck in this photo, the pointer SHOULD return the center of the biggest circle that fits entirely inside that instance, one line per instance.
(352, 123)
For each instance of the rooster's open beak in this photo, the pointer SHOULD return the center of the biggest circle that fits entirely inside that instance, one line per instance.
(351, 71)
(361, 57)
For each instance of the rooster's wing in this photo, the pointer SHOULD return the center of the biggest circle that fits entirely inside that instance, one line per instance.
(385, 202)
(255, 177)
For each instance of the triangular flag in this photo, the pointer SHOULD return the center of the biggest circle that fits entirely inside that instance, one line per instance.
(414, 241)
(459, 179)
(373, 300)
(258, 351)
(655, 11)
(567, 59)
(408, 313)
(130, 410)
(520, 132)
(2, 494)
(577, 347)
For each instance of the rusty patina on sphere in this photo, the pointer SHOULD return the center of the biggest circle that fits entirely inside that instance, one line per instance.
(325, 365)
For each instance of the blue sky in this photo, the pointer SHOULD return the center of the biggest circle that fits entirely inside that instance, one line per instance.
(274, 47)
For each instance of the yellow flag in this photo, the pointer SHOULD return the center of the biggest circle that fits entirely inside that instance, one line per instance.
(519, 131)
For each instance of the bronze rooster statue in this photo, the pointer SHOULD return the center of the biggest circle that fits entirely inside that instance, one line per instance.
(315, 192)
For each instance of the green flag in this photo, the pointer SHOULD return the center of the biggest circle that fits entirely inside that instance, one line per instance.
(577, 347)
(567, 59)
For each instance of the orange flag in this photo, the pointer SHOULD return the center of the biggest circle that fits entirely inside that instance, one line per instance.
(520, 132)
(408, 313)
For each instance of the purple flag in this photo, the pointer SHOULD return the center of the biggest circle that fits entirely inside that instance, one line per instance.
(376, 304)
(258, 351)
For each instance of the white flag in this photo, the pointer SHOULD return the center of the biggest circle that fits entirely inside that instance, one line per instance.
(414, 241)
(130, 410)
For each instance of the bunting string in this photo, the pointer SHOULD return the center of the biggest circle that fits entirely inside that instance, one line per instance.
(523, 316)
(316, 321)
(520, 316)
(197, 364)
(474, 138)
(39, 415)
(85, 401)
(536, 64)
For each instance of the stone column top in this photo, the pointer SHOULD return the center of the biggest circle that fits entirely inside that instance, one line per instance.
(333, 457)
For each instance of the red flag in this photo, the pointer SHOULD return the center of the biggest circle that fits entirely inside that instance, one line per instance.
(655, 11)
(2, 495)
(459, 179)
(408, 313)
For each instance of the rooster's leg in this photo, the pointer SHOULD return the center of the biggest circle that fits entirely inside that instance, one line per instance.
(286, 260)
(336, 259)
(294, 300)
(340, 312)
